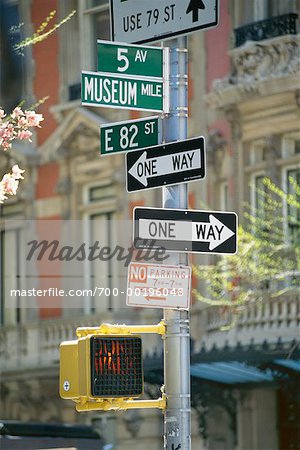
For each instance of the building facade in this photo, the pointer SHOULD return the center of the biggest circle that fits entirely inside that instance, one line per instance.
(244, 98)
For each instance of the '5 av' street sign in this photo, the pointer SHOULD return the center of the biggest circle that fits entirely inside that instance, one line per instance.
(122, 137)
(126, 59)
(145, 21)
(184, 230)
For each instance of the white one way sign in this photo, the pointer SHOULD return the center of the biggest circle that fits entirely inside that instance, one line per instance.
(161, 165)
(185, 230)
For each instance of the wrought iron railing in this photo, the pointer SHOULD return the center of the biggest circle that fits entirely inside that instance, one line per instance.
(266, 29)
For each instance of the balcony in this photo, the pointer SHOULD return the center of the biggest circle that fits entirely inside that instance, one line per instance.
(266, 29)
(36, 346)
(265, 62)
(269, 320)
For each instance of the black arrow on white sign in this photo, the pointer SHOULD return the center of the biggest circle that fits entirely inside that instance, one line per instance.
(194, 7)
(161, 165)
(185, 230)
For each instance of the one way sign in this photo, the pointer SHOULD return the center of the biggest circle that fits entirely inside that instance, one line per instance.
(162, 165)
(185, 231)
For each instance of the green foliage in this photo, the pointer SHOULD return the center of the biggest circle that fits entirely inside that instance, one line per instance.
(41, 33)
(268, 260)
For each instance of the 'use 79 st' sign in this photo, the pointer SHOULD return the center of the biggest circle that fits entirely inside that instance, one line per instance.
(145, 21)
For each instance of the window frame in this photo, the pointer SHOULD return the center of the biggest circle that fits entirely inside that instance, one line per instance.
(19, 315)
(87, 44)
(285, 185)
(224, 196)
(253, 194)
(92, 209)
(287, 139)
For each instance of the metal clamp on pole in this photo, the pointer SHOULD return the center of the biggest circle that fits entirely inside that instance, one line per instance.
(178, 50)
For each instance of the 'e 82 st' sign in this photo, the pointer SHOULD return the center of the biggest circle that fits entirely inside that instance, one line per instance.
(135, 134)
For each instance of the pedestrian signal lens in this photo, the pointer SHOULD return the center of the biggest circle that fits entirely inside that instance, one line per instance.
(116, 366)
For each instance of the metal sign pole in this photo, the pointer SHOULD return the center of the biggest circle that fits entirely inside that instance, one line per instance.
(177, 418)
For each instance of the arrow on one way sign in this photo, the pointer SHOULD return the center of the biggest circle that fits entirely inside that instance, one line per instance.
(145, 168)
(185, 230)
(214, 232)
(161, 165)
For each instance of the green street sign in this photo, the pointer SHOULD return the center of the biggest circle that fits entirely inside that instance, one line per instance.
(102, 89)
(126, 59)
(122, 137)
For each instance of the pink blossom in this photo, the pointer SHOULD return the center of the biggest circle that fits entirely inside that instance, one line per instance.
(22, 122)
(2, 192)
(5, 145)
(17, 112)
(24, 135)
(17, 172)
(7, 131)
(10, 184)
(33, 118)
(15, 127)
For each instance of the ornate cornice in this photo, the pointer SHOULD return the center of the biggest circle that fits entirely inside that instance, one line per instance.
(254, 66)
(77, 133)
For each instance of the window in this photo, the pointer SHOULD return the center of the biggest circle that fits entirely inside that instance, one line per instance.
(224, 201)
(98, 193)
(96, 25)
(101, 232)
(261, 9)
(259, 197)
(291, 183)
(69, 53)
(292, 180)
(253, 11)
(291, 145)
(258, 152)
(282, 7)
(264, 9)
(10, 273)
(102, 273)
(11, 63)
(11, 269)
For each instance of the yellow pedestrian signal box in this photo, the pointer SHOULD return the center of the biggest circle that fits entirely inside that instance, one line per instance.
(101, 366)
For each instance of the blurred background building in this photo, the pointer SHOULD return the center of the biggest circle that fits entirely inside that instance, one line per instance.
(244, 97)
